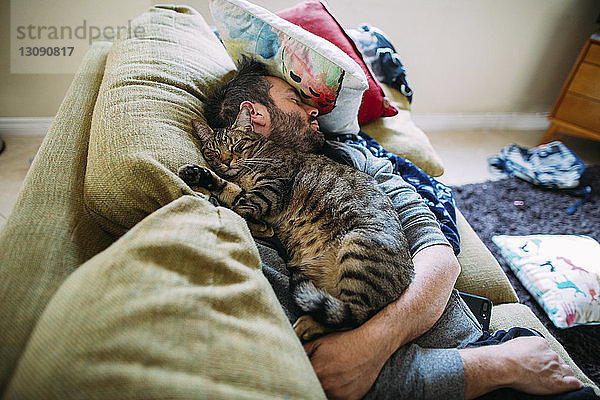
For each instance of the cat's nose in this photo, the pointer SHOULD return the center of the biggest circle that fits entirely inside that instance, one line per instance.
(226, 160)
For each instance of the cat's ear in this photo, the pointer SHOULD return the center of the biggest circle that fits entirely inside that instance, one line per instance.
(243, 120)
(201, 130)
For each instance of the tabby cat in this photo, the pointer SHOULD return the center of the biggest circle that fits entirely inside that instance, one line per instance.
(349, 256)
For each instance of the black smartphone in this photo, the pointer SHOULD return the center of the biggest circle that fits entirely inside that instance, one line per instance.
(481, 308)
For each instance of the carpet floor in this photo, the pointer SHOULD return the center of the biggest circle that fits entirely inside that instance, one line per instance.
(514, 207)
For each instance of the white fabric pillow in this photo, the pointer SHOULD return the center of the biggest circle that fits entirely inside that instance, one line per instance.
(561, 272)
(311, 64)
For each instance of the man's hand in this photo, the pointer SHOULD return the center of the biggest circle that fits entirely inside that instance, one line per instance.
(537, 368)
(347, 363)
(527, 364)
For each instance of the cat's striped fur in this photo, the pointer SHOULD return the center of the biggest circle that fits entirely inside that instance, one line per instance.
(349, 256)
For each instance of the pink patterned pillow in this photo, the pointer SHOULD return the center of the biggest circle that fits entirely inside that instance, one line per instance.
(562, 272)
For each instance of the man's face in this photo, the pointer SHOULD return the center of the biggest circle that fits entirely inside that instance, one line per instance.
(293, 123)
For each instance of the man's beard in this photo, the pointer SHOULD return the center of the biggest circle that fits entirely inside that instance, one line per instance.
(291, 130)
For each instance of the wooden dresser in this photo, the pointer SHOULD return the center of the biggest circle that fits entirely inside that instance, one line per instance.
(577, 108)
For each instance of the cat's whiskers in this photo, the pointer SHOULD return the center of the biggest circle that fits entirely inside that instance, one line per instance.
(243, 165)
(259, 161)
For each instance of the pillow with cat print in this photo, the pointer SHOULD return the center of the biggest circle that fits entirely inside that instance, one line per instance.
(325, 76)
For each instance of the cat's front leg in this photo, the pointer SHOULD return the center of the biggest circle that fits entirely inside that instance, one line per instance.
(260, 229)
(200, 177)
(228, 193)
(308, 329)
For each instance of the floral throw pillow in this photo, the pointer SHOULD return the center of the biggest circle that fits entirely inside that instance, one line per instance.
(316, 17)
(561, 272)
(324, 75)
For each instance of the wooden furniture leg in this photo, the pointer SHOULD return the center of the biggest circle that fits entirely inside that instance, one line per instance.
(550, 134)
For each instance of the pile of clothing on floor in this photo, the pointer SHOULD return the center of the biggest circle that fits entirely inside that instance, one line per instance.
(552, 166)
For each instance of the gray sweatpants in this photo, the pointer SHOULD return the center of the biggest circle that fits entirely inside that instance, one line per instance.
(427, 368)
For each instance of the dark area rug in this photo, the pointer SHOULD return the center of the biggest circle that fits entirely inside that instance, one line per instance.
(514, 207)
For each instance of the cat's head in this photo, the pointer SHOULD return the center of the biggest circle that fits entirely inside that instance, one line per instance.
(226, 149)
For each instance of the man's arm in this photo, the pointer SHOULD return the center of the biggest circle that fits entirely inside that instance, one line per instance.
(348, 363)
(411, 315)
(346, 373)
(422, 303)
(526, 364)
(436, 267)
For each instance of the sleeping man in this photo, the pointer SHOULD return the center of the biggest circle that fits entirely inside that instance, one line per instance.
(426, 344)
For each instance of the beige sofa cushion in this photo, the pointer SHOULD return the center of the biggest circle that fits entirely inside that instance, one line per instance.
(400, 135)
(49, 233)
(480, 273)
(153, 88)
(506, 316)
(176, 308)
(400, 101)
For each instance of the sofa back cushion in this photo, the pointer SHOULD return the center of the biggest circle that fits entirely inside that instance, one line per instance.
(157, 75)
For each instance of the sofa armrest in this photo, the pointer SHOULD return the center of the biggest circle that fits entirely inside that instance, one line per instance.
(480, 272)
(49, 232)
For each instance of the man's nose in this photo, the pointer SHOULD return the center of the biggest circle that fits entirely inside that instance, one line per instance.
(310, 110)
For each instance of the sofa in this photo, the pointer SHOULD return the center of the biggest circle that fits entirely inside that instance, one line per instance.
(119, 281)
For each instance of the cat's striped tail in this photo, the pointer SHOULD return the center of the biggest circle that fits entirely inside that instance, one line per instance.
(322, 306)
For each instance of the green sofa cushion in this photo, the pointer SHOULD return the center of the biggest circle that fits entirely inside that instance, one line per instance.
(480, 272)
(153, 88)
(176, 308)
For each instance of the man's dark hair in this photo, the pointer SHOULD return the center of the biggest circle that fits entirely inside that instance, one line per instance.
(222, 106)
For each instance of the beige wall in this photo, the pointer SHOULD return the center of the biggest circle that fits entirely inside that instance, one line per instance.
(463, 56)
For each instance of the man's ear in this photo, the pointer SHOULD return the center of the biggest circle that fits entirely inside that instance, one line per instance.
(258, 114)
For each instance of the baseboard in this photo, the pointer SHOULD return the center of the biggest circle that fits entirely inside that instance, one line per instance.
(25, 126)
(38, 126)
(488, 121)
